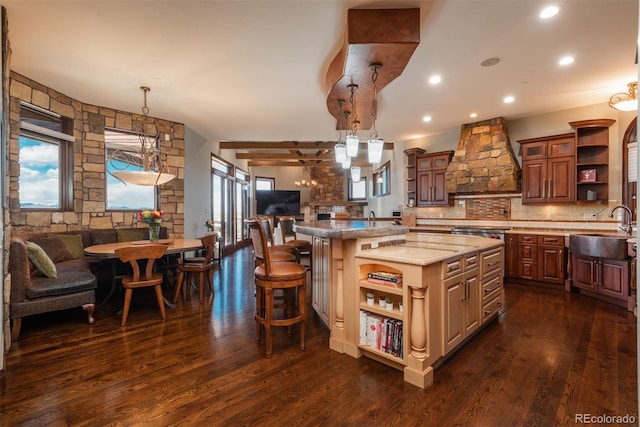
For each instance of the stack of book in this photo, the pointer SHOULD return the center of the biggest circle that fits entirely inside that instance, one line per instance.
(381, 333)
(385, 278)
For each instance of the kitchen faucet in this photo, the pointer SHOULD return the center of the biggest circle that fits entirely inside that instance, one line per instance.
(372, 216)
(626, 224)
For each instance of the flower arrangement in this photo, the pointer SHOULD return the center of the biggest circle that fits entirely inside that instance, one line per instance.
(151, 216)
(209, 224)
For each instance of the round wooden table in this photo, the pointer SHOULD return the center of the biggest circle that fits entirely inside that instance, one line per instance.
(107, 251)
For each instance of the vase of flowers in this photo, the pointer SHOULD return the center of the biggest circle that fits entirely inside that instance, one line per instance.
(154, 219)
(210, 225)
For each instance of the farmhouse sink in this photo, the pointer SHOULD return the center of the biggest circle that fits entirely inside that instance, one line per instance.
(608, 246)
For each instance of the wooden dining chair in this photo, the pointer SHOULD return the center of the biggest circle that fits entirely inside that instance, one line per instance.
(201, 268)
(143, 273)
(270, 276)
(289, 236)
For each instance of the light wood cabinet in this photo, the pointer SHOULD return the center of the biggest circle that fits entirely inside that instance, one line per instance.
(461, 305)
(548, 169)
(321, 277)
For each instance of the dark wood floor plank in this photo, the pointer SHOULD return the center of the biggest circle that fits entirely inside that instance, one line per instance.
(548, 356)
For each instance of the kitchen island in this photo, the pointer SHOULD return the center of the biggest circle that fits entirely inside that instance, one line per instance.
(451, 286)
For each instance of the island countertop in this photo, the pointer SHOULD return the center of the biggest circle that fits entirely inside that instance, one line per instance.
(344, 229)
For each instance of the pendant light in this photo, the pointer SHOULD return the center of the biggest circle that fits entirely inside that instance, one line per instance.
(149, 165)
(352, 140)
(340, 149)
(625, 101)
(374, 144)
(355, 173)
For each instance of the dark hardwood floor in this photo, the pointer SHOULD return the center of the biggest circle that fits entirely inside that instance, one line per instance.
(549, 356)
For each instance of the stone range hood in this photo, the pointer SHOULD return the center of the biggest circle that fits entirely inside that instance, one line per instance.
(484, 161)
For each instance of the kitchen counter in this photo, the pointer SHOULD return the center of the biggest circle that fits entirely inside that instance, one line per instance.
(349, 229)
(451, 288)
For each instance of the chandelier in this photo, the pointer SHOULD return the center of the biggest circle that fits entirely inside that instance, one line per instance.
(142, 163)
(310, 183)
(625, 101)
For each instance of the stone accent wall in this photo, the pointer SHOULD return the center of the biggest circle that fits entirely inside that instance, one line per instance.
(484, 161)
(89, 168)
(331, 191)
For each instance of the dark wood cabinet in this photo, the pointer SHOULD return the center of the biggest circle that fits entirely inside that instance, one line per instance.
(412, 184)
(535, 258)
(592, 159)
(548, 169)
(603, 276)
(430, 172)
(551, 259)
(511, 255)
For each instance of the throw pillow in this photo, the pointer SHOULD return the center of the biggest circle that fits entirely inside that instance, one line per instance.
(41, 260)
(73, 242)
(100, 237)
(53, 246)
(130, 235)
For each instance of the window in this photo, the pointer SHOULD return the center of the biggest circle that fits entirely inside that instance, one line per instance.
(358, 190)
(121, 196)
(46, 159)
(263, 183)
(229, 201)
(382, 180)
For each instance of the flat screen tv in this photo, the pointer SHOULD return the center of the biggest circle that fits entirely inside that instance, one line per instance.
(277, 202)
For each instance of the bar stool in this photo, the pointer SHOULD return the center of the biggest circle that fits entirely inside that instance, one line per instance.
(290, 238)
(270, 276)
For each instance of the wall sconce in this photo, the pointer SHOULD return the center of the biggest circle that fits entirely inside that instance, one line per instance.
(625, 101)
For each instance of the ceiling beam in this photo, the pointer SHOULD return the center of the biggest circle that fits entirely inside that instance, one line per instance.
(279, 163)
(387, 37)
(288, 145)
(293, 156)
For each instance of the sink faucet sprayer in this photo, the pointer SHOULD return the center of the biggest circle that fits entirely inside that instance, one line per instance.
(626, 219)
(372, 216)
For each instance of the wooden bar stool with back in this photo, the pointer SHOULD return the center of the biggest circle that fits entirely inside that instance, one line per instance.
(270, 275)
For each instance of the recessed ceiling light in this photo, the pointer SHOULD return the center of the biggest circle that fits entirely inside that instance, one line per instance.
(426, 119)
(489, 62)
(508, 99)
(566, 60)
(473, 115)
(435, 79)
(549, 12)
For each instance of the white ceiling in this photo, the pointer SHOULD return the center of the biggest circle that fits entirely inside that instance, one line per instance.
(254, 70)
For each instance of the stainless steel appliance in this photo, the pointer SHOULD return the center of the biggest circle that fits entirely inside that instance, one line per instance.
(496, 232)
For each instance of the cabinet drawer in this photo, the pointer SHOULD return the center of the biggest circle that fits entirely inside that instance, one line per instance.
(492, 261)
(491, 308)
(527, 252)
(528, 270)
(451, 268)
(491, 288)
(527, 238)
(471, 261)
(551, 240)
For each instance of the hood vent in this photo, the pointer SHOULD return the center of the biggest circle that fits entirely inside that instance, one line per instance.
(484, 161)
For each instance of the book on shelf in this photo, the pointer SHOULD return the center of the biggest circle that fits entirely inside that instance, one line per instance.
(382, 333)
(384, 282)
(385, 278)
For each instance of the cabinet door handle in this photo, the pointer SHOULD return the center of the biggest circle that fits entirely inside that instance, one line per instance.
(544, 189)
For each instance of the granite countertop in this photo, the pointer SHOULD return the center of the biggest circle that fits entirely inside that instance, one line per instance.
(435, 248)
(348, 229)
